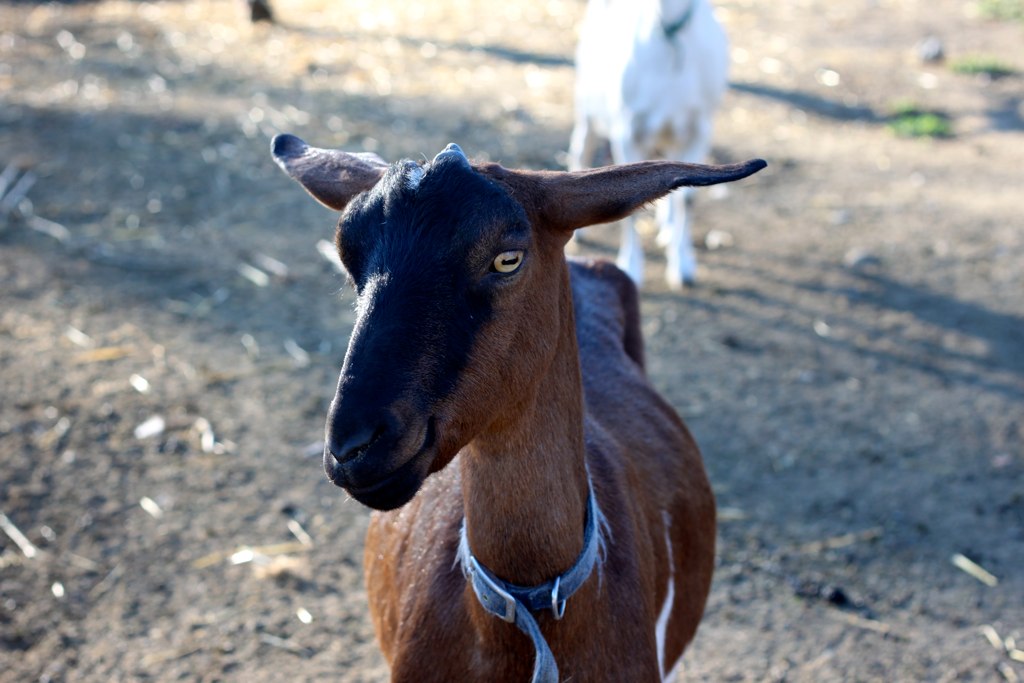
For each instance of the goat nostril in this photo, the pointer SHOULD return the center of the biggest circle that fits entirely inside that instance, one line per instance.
(352, 445)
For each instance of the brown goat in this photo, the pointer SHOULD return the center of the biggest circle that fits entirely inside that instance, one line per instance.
(470, 336)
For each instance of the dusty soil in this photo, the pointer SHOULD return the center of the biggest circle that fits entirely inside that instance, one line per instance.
(852, 364)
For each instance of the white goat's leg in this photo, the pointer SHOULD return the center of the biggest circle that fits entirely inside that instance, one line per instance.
(583, 145)
(680, 257)
(582, 149)
(631, 249)
(661, 217)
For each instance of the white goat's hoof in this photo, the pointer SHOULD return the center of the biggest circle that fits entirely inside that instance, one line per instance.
(680, 269)
(677, 281)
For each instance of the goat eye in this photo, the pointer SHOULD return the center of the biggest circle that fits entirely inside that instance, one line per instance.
(508, 261)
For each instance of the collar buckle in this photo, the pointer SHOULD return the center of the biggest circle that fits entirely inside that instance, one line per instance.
(557, 606)
(480, 574)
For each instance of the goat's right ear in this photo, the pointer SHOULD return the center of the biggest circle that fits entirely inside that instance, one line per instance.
(576, 199)
(331, 176)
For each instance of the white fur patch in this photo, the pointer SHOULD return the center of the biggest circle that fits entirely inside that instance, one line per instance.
(666, 609)
(672, 674)
(463, 553)
(413, 176)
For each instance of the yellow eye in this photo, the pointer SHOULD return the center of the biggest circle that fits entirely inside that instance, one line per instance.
(508, 261)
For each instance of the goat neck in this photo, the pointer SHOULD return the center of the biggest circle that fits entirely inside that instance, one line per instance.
(524, 479)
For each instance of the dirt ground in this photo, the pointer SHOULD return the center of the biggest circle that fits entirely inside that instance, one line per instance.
(851, 362)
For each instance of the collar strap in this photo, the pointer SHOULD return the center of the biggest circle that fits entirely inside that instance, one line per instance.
(514, 604)
(679, 24)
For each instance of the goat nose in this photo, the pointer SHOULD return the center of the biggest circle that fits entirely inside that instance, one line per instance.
(348, 447)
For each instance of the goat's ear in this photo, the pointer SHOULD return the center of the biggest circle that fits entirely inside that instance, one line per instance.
(576, 199)
(333, 177)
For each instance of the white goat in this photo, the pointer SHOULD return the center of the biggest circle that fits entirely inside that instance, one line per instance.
(649, 76)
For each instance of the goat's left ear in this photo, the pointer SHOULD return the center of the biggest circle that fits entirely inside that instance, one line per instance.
(576, 199)
(332, 176)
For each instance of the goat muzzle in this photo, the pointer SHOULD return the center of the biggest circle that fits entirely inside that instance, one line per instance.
(383, 466)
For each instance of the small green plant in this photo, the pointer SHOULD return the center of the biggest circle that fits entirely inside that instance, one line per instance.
(910, 121)
(988, 66)
(1003, 10)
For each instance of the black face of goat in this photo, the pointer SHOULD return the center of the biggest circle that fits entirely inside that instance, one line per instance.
(420, 248)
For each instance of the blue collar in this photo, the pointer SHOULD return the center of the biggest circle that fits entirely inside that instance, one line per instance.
(670, 30)
(515, 604)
